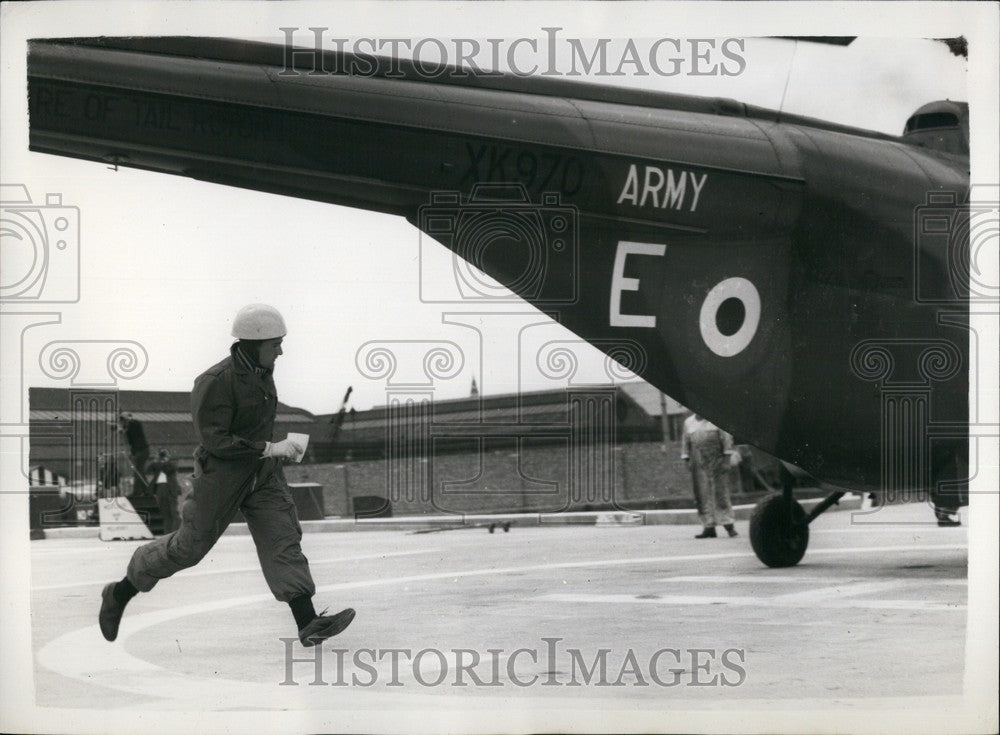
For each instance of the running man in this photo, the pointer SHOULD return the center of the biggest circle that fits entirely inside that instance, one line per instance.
(237, 467)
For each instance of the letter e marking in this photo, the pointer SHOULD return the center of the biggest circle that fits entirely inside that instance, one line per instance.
(620, 283)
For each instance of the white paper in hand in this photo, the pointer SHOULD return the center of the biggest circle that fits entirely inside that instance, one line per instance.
(301, 441)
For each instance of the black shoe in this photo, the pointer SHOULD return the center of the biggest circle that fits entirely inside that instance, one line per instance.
(945, 519)
(731, 530)
(325, 626)
(111, 612)
(707, 533)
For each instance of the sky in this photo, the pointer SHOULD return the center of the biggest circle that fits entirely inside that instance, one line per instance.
(166, 261)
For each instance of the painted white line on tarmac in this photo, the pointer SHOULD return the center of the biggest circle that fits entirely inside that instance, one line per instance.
(84, 655)
(884, 548)
(240, 570)
(804, 579)
(106, 548)
(840, 591)
(559, 565)
(777, 601)
(891, 527)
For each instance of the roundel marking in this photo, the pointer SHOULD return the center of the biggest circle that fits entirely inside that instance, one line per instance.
(727, 340)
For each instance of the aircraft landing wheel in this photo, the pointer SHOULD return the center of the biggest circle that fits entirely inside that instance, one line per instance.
(779, 531)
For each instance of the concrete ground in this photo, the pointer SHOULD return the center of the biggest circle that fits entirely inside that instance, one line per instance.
(623, 617)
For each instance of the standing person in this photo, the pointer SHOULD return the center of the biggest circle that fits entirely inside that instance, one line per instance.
(107, 469)
(237, 467)
(163, 470)
(138, 451)
(950, 489)
(707, 450)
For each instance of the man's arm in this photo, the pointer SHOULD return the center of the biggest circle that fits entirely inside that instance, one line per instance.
(212, 409)
(727, 441)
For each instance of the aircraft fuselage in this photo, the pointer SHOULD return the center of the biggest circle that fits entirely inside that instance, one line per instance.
(770, 274)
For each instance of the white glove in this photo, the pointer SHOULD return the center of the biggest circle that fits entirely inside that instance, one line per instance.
(285, 449)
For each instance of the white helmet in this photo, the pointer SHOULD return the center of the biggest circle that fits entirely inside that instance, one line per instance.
(258, 321)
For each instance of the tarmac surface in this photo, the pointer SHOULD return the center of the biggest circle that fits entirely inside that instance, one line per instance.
(574, 616)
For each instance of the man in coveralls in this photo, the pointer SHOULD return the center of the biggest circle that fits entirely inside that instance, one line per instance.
(237, 467)
(708, 450)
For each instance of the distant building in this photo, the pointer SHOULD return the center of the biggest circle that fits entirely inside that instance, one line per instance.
(70, 428)
(595, 447)
(588, 448)
(659, 406)
(454, 425)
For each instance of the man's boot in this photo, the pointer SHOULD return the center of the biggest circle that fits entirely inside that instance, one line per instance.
(946, 518)
(325, 626)
(114, 598)
(731, 530)
(709, 532)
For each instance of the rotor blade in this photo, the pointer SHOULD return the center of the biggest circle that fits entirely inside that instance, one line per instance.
(832, 40)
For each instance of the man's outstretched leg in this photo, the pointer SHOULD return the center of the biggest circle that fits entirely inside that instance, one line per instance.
(274, 525)
(207, 512)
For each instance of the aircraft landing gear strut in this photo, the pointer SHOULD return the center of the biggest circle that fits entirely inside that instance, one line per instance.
(779, 526)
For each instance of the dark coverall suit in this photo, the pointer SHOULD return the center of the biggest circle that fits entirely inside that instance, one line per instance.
(167, 492)
(138, 450)
(233, 409)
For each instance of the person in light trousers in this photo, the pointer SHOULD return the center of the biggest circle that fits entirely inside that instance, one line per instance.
(708, 451)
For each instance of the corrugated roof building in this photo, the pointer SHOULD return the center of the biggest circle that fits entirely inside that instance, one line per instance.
(70, 428)
(580, 448)
(577, 448)
(452, 424)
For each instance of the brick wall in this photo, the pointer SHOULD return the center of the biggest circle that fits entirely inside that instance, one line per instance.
(531, 477)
